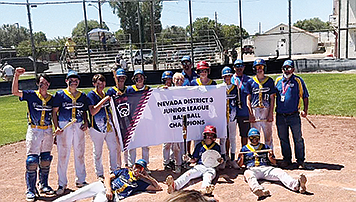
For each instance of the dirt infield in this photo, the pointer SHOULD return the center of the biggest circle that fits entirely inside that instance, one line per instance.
(330, 149)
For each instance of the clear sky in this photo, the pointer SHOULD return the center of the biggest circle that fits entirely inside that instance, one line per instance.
(59, 20)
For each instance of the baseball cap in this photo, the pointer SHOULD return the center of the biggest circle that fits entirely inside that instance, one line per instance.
(72, 74)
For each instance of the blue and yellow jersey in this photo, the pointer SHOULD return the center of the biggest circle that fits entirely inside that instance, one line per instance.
(133, 89)
(231, 102)
(69, 106)
(39, 108)
(255, 159)
(113, 91)
(197, 82)
(241, 83)
(187, 79)
(260, 91)
(290, 94)
(202, 147)
(101, 120)
(126, 184)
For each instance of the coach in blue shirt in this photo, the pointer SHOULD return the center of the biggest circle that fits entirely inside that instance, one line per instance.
(291, 92)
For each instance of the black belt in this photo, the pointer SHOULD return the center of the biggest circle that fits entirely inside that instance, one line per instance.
(287, 114)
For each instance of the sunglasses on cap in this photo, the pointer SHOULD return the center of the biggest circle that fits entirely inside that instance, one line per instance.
(287, 68)
(254, 137)
(259, 67)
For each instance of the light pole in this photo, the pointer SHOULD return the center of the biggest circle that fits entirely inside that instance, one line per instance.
(99, 9)
(18, 32)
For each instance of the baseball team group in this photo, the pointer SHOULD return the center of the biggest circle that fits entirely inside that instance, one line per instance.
(250, 104)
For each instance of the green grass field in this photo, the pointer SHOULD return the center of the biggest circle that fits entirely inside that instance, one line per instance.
(330, 94)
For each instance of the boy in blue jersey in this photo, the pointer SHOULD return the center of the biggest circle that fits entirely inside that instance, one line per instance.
(139, 80)
(260, 100)
(70, 105)
(102, 127)
(188, 73)
(119, 185)
(231, 109)
(257, 158)
(39, 138)
(120, 89)
(240, 80)
(199, 170)
(203, 69)
(291, 92)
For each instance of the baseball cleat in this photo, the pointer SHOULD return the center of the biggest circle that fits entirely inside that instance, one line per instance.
(261, 192)
(178, 169)
(46, 190)
(170, 184)
(60, 190)
(81, 184)
(302, 181)
(30, 196)
(209, 189)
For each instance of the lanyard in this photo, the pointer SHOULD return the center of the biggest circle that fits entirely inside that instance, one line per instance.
(285, 87)
(206, 147)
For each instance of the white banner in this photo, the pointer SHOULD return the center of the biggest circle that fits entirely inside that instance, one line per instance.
(156, 115)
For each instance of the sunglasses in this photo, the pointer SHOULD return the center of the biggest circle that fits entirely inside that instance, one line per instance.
(186, 63)
(139, 167)
(254, 137)
(239, 66)
(287, 68)
(203, 71)
(260, 67)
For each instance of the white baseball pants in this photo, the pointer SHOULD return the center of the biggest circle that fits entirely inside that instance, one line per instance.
(95, 189)
(252, 175)
(38, 140)
(72, 135)
(197, 171)
(132, 155)
(232, 137)
(266, 127)
(172, 148)
(111, 142)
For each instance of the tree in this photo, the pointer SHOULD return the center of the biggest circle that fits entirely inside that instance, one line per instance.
(39, 37)
(172, 33)
(127, 12)
(78, 33)
(231, 36)
(11, 35)
(313, 24)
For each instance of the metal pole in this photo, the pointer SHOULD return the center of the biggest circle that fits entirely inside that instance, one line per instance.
(33, 48)
(153, 36)
(347, 28)
(87, 35)
(240, 16)
(339, 30)
(140, 34)
(290, 29)
(191, 31)
(132, 63)
(100, 15)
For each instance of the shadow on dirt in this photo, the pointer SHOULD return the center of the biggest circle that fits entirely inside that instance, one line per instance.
(314, 166)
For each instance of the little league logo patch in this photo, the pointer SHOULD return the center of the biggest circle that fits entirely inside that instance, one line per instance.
(123, 110)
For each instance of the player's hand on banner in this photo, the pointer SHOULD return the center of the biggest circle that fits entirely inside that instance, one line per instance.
(84, 126)
(58, 131)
